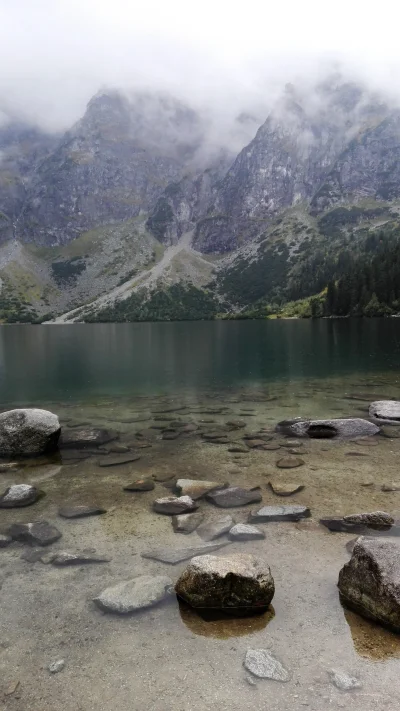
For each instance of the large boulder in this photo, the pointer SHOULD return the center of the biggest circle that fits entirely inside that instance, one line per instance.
(385, 412)
(327, 429)
(238, 584)
(370, 582)
(28, 432)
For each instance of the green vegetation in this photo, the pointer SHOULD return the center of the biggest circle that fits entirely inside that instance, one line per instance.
(67, 271)
(331, 224)
(13, 310)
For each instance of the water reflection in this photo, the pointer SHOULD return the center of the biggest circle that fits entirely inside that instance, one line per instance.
(212, 624)
(371, 640)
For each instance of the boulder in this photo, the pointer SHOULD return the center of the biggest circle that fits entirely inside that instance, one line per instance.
(237, 584)
(358, 523)
(327, 429)
(234, 496)
(196, 488)
(269, 514)
(143, 591)
(171, 505)
(28, 432)
(80, 511)
(370, 582)
(245, 532)
(85, 437)
(187, 523)
(19, 495)
(210, 530)
(263, 664)
(385, 412)
(39, 533)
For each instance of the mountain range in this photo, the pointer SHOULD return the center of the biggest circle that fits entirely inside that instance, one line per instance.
(141, 212)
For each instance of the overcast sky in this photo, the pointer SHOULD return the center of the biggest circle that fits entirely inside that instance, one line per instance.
(55, 54)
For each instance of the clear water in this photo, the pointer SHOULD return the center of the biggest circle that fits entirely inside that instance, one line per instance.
(167, 657)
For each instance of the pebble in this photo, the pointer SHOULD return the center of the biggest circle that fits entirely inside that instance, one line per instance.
(57, 666)
(343, 681)
(289, 462)
(264, 665)
(140, 485)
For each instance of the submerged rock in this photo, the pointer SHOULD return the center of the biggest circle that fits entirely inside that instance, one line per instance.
(343, 681)
(176, 555)
(196, 488)
(390, 432)
(80, 438)
(357, 523)
(286, 488)
(385, 411)
(140, 485)
(289, 462)
(370, 582)
(5, 540)
(327, 429)
(171, 505)
(39, 533)
(116, 460)
(210, 530)
(143, 591)
(279, 513)
(57, 666)
(187, 523)
(245, 532)
(237, 583)
(64, 558)
(19, 495)
(263, 664)
(394, 486)
(28, 432)
(236, 424)
(234, 496)
(80, 511)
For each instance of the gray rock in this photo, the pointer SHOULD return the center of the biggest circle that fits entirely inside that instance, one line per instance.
(116, 460)
(210, 530)
(237, 583)
(32, 555)
(5, 540)
(143, 591)
(39, 533)
(343, 681)
(28, 432)
(264, 665)
(177, 555)
(289, 462)
(64, 558)
(85, 437)
(385, 412)
(390, 431)
(19, 495)
(279, 513)
(321, 429)
(57, 666)
(236, 424)
(140, 485)
(80, 511)
(171, 505)
(196, 488)
(370, 582)
(358, 523)
(187, 523)
(234, 496)
(245, 532)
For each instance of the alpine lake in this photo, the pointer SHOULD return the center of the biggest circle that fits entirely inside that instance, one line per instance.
(160, 388)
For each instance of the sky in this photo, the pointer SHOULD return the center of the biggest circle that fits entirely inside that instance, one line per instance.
(55, 54)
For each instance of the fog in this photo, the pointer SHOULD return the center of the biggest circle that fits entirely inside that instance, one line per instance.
(226, 57)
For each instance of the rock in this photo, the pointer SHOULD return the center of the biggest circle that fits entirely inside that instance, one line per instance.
(390, 431)
(258, 444)
(80, 511)
(6, 467)
(32, 555)
(140, 485)
(279, 513)
(263, 664)
(343, 681)
(170, 435)
(236, 424)
(245, 532)
(285, 489)
(327, 429)
(19, 495)
(370, 582)
(177, 555)
(211, 530)
(57, 666)
(117, 460)
(270, 447)
(117, 449)
(163, 476)
(238, 448)
(85, 437)
(358, 523)
(260, 436)
(364, 442)
(28, 432)
(187, 523)
(234, 496)
(394, 486)
(4, 540)
(39, 533)
(143, 591)
(12, 688)
(64, 558)
(238, 583)
(385, 411)
(289, 462)
(215, 434)
(290, 443)
(196, 488)
(170, 505)
(356, 454)
(220, 440)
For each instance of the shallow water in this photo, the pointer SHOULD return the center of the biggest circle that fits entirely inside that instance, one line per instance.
(168, 657)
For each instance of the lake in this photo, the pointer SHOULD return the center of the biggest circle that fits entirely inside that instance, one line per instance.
(145, 383)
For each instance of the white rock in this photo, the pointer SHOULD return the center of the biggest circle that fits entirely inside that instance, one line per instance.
(263, 664)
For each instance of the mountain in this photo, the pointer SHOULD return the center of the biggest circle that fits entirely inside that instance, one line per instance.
(138, 212)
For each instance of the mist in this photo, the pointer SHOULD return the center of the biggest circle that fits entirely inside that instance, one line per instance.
(218, 57)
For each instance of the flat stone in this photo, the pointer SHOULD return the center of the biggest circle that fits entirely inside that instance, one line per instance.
(85, 437)
(258, 444)
(236, 424)
(210, 530)
(19, 495)
(289, 462)
(286, 488)
(356, 454)
(220, 440)
(70, 456)
(358, 523)
(177, 555)
(234, 496)
(270, 447)
(289, 443)
(80, 511)
(328, 429)
(117, 449)
(196, 488)
(39, 533)
(64, 558)
(259, 436)
(32, 555)
(215, 434)
(57, 666)
(117, 460)
(390, 432)
(171, 505)
(28, 432)
(170, 435)
(385, 411)
(245, 532)
(141, 592)
(394, 486)
(366, 442)
(187, 523)
(5, 540)
(279, 513)
(140, 485)
(238, 583)
(370, 582)
(343, 681)
(238, 448)
(163, 476)
(264, 665)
